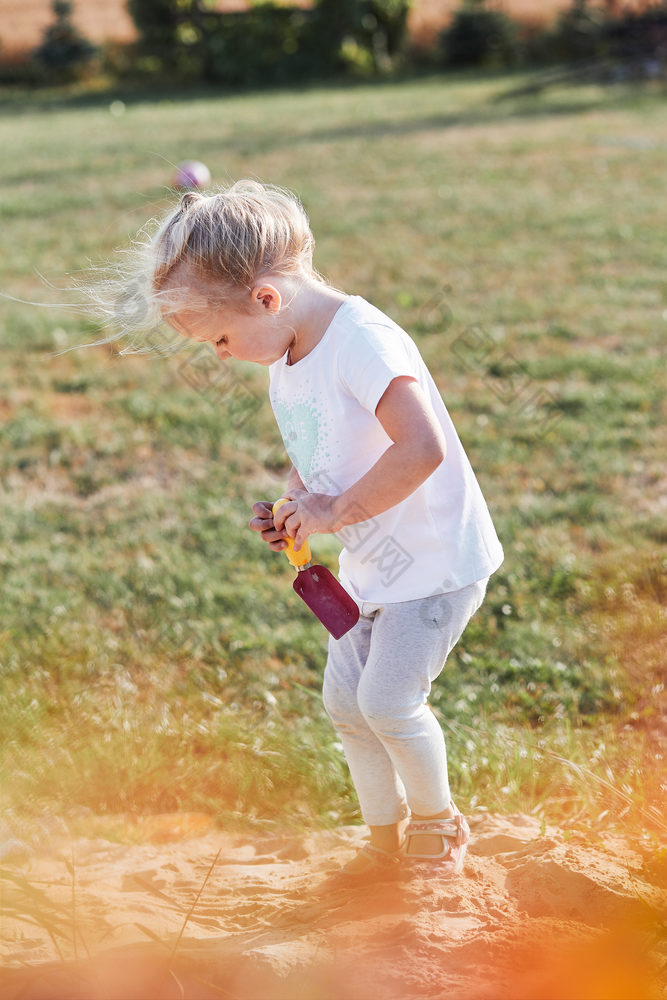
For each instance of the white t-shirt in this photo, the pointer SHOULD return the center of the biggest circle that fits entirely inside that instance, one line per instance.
(438, 539)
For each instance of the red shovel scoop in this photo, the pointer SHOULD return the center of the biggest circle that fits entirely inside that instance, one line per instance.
(320, 589)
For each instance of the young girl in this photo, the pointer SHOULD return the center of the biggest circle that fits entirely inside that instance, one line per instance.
(377, 461)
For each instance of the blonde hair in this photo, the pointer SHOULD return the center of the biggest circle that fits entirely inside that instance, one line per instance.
(233, 237)
(208, 251)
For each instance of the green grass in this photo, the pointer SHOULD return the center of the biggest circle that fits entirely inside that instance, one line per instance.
(153, 655)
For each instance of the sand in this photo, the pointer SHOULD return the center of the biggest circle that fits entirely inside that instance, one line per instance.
(538, 914)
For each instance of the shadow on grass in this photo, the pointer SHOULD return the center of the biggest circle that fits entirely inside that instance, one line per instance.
(484, 115)
(266, 140)
(495, 108)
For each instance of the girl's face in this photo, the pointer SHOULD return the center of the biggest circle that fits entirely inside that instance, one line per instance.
(257, 336)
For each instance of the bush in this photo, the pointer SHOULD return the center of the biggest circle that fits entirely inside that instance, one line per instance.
(157, 23)
(383, 34)
(64, 53)
(616, 45)
(185, 39)
(580, 34)
(638, 41)
(265, 44)
(268, 43)
(478, 36)
(367, 36)
(260, 46)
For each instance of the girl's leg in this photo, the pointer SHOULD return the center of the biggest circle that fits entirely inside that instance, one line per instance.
(409, 645)
(380, 791)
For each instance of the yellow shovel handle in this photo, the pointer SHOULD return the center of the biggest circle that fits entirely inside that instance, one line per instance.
(301, 557)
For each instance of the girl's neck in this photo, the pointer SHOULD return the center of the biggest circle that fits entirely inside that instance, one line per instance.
(313, 309)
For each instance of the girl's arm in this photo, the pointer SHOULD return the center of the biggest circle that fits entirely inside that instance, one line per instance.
(417, 449)
(294, 481)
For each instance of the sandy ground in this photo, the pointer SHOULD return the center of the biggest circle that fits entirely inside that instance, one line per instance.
(538, 914)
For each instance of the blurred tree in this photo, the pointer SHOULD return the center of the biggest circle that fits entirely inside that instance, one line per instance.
(157, 22)
(478, 36)
(378, 27)
(269, 42)
(64, 53)
(580, 31)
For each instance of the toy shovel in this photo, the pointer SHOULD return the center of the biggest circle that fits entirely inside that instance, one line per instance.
(320, 589)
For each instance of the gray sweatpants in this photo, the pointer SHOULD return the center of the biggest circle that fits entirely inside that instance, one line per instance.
(377, 679)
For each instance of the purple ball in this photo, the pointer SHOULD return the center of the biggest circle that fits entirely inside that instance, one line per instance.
(192, 174)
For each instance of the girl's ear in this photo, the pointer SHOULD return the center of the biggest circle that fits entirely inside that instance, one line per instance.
(268, 297)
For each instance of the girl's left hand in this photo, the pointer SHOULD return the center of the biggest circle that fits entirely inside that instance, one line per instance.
(306, 514)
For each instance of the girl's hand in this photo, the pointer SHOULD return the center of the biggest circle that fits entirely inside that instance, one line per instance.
(306, 514)
(263, 522)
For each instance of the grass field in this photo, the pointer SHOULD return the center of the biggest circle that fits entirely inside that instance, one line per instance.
(154, 657)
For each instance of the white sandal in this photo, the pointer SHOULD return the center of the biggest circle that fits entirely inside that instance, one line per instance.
(455, 834)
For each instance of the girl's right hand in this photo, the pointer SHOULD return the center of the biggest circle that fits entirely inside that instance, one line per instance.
(263, 522)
